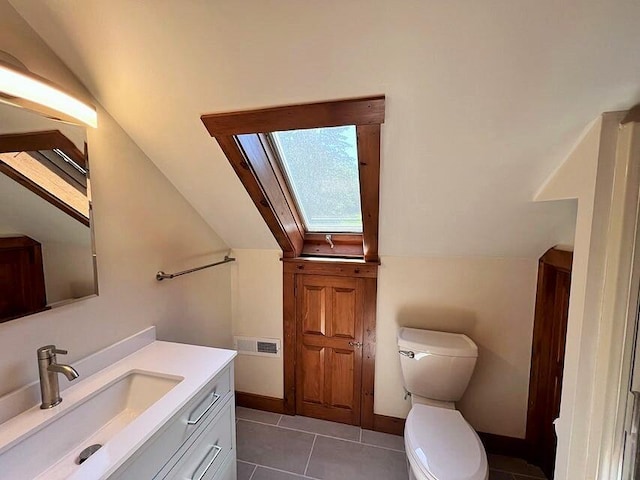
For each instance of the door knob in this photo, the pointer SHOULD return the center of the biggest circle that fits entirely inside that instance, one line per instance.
(355, 344)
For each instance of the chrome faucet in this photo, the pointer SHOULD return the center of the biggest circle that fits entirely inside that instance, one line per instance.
(49, 368)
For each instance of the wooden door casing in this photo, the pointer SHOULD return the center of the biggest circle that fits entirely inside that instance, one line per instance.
(547, 357)
(329, 331)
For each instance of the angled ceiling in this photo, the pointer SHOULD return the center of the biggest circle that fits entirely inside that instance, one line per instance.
(484, 99)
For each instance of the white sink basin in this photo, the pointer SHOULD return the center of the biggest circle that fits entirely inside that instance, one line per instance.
(52, 449)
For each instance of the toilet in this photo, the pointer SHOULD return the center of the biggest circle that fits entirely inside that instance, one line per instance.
(436, 369)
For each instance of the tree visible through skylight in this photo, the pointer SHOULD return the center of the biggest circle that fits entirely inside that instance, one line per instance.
(321, 165)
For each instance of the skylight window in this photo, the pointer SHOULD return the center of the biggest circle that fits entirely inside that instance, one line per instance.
(313, 172)
(321, 168)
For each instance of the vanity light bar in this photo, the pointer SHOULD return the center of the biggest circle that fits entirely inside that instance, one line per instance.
(24, 89)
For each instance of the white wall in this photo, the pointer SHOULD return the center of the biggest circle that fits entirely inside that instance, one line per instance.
(68, 271)
(142, 225)
(256, 279)
(490, 299)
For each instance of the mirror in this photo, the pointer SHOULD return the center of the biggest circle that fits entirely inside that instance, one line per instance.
(47, 255)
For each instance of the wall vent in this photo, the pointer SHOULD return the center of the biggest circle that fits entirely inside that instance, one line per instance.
(262, 347)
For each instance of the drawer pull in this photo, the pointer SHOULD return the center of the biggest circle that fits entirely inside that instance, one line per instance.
(206, 469)
(216, 397)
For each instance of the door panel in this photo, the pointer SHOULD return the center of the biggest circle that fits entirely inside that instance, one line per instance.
(344, 308)
(342, 378)
(314, 313)
(313, 359)
(329, 358)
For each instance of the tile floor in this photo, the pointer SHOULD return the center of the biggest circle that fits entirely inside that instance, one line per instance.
(280, 447)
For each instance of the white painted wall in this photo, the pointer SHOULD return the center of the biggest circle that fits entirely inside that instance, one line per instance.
(142, 225)
(490, 299)
(256, 279)
(68, 271)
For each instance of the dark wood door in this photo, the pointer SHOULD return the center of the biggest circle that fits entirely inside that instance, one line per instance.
(22, 289)
(329, 347)
(547, 357)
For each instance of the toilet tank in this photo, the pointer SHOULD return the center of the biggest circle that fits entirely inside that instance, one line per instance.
(436, 365)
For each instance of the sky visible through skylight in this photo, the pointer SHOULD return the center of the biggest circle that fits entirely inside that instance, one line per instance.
(321, 165)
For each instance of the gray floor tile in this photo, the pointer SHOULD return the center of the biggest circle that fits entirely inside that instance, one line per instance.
(498, 475)
(245, 470)
(322, 427)
(257, 415)
(514, 465)
(383, 440)
(272, 446)
(334, 459)
(268, 474)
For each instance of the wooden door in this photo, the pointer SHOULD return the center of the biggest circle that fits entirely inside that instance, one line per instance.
(329, 347)
(547, 357)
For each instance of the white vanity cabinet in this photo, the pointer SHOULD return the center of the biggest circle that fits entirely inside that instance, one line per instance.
(198, 443)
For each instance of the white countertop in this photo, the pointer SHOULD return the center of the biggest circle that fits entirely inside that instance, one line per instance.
(196, 365)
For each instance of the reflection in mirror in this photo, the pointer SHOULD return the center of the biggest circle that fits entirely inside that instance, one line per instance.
(46, 249)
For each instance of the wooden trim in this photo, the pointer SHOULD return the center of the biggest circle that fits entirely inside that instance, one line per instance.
(273, 190)
(291, 245)
(241, 135)
(355, 111)
(369, 172)
(289, 340)
(260, 402)
(561, 259)
(632, 115)
(322, 266)
(367, 417)
(344, 245)
(42, 193)
(45, 140)
(385, 424)
(502, 445)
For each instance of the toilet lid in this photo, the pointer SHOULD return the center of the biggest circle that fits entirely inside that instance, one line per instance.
(443, 445)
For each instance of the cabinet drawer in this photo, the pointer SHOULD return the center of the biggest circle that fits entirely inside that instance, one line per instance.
(228, 469)
(150, 459)
(206, 455)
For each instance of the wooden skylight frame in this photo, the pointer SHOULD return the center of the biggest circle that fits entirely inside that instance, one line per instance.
(39, 141)
(241, 135)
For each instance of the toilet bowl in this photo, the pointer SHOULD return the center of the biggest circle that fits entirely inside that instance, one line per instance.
(436, 369)
(441, 445)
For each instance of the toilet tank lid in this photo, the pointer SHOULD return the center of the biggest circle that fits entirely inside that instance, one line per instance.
(437, 343)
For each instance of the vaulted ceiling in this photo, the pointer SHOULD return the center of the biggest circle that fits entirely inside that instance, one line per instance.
(484, 99)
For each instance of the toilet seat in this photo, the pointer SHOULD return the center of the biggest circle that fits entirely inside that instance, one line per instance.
(441, 445)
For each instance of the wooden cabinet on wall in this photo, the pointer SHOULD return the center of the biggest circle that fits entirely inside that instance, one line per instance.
(22, 288)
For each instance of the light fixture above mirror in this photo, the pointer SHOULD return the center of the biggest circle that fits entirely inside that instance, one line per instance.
(21, 88)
